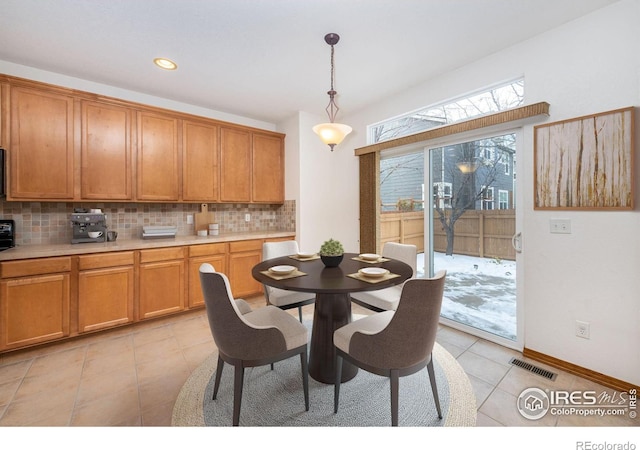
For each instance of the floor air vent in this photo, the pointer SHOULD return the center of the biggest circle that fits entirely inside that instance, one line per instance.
(534, 369)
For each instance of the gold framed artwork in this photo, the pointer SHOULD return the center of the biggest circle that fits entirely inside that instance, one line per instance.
(585, 163)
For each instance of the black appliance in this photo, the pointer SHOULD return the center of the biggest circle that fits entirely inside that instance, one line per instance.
(7, 234)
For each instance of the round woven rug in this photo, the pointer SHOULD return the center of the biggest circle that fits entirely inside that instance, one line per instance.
(275, 398)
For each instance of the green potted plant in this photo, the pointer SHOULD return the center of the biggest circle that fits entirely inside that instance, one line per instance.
(331, 252)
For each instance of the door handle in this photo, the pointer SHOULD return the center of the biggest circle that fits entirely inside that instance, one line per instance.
(516, 242)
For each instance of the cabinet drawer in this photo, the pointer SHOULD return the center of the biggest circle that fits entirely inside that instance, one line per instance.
(161, 254)
(245, 246)
(208, 249)
(103, 260)
(34, 267)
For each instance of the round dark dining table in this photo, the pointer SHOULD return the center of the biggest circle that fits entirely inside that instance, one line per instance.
(332, 287)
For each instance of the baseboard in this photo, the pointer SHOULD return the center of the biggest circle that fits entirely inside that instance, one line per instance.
(597, 377)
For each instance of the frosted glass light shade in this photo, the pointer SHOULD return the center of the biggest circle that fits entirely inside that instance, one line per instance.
(332, 133)
(468, 167)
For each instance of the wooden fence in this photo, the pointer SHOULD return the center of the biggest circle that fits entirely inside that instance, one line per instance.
(484, 233)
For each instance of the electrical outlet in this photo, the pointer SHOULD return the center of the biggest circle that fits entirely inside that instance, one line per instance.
(247, 217)
(189, 219)
(562, 226)
(582, 329)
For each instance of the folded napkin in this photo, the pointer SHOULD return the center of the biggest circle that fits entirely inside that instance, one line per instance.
(295, 273)
(381, 259)
(300, 258)
(373, 280)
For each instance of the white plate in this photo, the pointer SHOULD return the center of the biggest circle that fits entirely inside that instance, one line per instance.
(306, 255)
(370, 256)
(373, 272)
(282, 270)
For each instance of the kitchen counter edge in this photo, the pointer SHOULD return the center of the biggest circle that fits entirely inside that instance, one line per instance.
(49, 250)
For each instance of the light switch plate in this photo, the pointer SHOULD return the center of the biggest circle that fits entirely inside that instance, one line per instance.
(561, 226)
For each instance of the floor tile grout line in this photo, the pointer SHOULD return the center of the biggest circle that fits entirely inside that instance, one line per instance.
(13, 396)
(75, 400)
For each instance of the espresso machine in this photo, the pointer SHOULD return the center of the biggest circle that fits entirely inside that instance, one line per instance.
(88, 227)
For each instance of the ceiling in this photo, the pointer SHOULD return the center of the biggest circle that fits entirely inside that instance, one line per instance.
(267, 59)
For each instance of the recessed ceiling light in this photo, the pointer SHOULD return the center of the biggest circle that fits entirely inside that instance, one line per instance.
(165, 64)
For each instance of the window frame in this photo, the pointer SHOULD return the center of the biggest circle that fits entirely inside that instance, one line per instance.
(426, 113)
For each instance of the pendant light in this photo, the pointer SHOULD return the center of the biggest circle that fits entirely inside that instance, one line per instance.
(332, 133)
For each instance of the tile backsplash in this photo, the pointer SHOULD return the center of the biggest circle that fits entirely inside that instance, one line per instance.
(48, 222)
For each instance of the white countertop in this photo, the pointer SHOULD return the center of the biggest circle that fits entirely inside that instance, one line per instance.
(48, 250)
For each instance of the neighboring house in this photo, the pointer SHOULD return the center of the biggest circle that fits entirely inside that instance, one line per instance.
(402, 178)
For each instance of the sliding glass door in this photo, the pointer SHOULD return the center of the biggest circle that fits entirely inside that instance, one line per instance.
(455, 196)
(457, 202)
(473, 226)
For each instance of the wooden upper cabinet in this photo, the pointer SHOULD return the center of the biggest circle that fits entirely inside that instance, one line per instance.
(267, 169)
(41, 145)
(68, 145)
(106, 152)
(158, 173)
(235, 165)
(200, 161)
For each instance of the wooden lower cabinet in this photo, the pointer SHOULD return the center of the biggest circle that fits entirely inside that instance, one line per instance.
(105, 290)
(214, 254)
(243, 255)
(161, 282)
(48, 299)
(34, 308)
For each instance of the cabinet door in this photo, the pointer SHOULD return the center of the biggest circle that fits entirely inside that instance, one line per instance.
(267, 169)
(219, 262)
(240, 265)
(235, 165)
(33, 310)
(106, 152)
(106, 298)
(161, 288)
(200, 162)
(42, 151)
(158, 157)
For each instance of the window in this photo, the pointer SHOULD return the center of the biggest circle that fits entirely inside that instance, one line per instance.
(442, 195)
(494, 99)
(487, 198)
(503, 199)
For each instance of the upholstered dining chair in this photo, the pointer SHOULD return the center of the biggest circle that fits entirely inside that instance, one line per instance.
(281, 298)
(387, 299)
(396, 343)
(256, 338)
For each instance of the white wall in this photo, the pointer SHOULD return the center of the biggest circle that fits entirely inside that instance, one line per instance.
(587, 66)
(43, 76)
(327, 199)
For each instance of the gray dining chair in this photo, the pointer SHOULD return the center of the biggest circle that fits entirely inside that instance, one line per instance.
(396, 343)
(387, 299)
(256, 338)
(282, 298)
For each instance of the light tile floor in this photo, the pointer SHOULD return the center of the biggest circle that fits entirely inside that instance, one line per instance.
(132, 376)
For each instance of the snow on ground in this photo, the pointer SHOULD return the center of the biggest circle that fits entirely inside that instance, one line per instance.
(479, 292)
